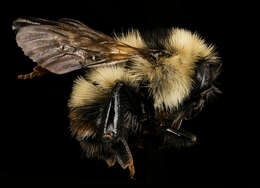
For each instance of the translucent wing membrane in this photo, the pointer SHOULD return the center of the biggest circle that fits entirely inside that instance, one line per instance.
(66, 45)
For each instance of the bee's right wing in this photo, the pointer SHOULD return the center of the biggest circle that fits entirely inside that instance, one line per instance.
(66, 45)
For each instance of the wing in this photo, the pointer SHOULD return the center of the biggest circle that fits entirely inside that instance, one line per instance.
(66, 45)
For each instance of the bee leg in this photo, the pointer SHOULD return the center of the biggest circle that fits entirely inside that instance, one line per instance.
(124, 157)
(181, 133)
(178, 138)
(113, 113)
(37, 72)
(116, 128)
(103, 129)
(122, 112)
(110, 162)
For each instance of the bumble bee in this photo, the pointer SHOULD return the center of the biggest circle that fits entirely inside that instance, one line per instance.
(135, 84)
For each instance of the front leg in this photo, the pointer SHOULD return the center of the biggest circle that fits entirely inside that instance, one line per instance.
(182, 134)
(177, 138)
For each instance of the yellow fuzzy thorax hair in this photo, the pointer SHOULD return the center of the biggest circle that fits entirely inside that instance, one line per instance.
(169, 81)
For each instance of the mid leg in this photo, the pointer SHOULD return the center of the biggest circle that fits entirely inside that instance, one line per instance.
(103, 127)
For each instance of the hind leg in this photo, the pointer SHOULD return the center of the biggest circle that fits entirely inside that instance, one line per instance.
(37, 72)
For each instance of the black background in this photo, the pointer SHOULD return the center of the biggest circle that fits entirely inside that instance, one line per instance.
(36, 147)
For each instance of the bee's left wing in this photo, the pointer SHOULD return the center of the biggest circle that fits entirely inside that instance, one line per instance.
(66, 45)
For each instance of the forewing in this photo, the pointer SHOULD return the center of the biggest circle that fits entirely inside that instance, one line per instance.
(66, 45)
